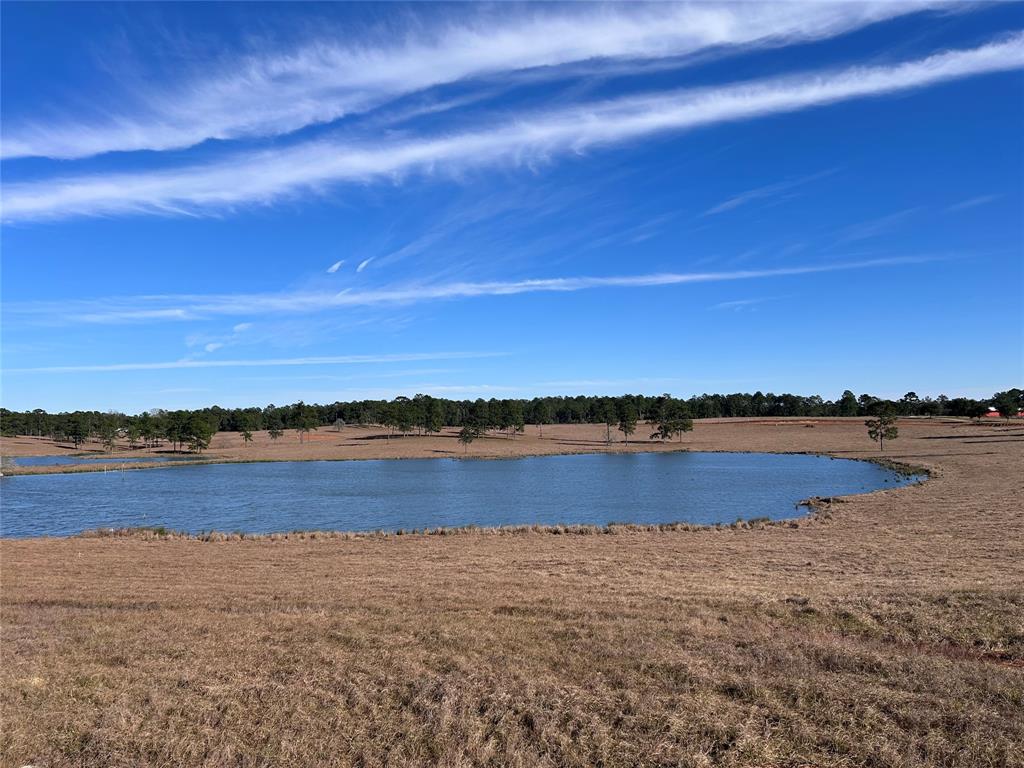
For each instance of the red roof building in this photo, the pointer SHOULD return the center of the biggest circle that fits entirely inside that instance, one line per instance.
(994, 414)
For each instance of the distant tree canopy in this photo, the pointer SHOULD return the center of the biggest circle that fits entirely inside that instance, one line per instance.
(675, 420)
(425, 414)
(198, 432)
(542, 414)
(468, 434)
(305, 419)
(628, 418)
(1009, 403)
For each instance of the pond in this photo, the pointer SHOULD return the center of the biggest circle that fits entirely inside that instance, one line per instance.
(427, 493)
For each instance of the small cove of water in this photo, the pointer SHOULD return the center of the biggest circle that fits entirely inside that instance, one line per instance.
(596, 489)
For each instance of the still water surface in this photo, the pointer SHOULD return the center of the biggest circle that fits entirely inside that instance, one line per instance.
(418, 493)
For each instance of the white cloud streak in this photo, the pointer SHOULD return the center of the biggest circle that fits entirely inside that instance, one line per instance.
(763, 193)
(741, 304)
(276, 362)
(875, 227)
(335, 267)
(973, 202)
(324, 80)
(114, 311)
(315, 166)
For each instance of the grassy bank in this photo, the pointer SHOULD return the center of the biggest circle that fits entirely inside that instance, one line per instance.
(887, 632)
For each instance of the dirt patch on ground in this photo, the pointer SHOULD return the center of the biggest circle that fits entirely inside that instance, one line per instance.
(888, 630)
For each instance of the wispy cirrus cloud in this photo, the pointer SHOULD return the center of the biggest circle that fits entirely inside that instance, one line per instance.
(865, 230)
(117, 311)
(248, 363)
(740, 305)
(765, 192)
(267, 176)
(972, 202)
(322, 80)
(213, 343)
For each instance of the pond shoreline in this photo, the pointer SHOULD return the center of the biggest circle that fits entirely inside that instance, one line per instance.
(139, 463)
(575, 495)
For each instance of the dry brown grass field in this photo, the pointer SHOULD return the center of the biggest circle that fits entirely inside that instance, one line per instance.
(888, 630)
(372, 442)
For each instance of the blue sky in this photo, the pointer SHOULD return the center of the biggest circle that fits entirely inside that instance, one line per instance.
(250, 204)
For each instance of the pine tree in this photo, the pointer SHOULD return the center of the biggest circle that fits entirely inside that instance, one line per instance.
(627, 420)
(882, 428)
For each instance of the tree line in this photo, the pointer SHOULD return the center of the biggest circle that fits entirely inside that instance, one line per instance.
(424, 414)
